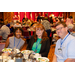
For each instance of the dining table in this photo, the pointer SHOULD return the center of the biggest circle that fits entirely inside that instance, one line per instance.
(15, 55)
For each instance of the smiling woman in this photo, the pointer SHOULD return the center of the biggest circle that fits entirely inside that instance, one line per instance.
(16, 40)
(39, 42)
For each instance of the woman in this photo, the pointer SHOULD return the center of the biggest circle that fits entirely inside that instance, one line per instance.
(15, 41)
(39, 43)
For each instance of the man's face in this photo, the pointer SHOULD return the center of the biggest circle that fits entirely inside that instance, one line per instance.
(61, 30)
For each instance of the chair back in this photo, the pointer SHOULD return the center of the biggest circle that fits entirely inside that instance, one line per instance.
(26, 34)
(11, 34)
(2, 45)
(0, 37)
(27, 27)
(23, 28)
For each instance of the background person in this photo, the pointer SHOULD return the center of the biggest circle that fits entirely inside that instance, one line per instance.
(47, 26)
(17, 24)
(4, 31)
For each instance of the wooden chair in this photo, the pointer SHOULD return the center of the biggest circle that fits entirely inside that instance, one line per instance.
(2, 45)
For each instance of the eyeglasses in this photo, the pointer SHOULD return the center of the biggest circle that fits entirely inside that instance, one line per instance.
(38, 30)
(59, 28)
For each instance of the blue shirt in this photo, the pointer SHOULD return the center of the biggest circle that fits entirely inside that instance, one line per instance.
(68, 49)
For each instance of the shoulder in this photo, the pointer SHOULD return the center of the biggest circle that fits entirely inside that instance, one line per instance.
(22, 40)
(70, 38)
(46, 40)
(11, 38)
(32, 37)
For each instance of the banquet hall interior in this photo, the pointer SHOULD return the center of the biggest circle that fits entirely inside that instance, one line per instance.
(28, 19)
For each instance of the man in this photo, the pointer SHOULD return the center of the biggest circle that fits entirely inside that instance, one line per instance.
(69, 20)
(65, 46)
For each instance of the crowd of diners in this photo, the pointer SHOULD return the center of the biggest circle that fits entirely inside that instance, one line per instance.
(40, 41)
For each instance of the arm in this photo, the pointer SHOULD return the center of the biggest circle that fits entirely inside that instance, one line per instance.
(47, 48)
(69, 60)
(22, 46)
(71, 52)
(7, 43)
(54, 58)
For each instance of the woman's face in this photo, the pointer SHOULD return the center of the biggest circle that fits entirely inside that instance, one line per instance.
(18, 34)
(39, 32)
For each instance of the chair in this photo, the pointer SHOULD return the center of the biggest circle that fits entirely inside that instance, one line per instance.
(26, 34)
(2, 45)
(11, 34)
(27, 27)
(0, 37)
(24, 28)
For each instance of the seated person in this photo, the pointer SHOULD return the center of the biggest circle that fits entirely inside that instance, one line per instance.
(47, 26)
(32, 22)
(12, 23)
(15, 41)
(69, 20)
(17, 24)
(28, 22)
(71, 29)
(39, 42)
(4, 32)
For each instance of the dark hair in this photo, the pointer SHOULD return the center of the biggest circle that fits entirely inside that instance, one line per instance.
(70, 17)
(17, 21)
(63, 23)
(18, 28)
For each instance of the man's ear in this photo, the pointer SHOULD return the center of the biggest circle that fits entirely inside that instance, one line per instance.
(66, 28)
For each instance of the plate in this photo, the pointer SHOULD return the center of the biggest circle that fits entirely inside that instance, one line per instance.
(17, 50)
(7, 50)
(26, 51)
(42, 59)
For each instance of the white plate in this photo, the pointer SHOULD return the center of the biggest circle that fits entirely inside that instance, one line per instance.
(17, 50)
(43, 59)
(26, 51)
(7, 50)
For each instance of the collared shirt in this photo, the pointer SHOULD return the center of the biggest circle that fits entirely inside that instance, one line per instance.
(67, 50)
